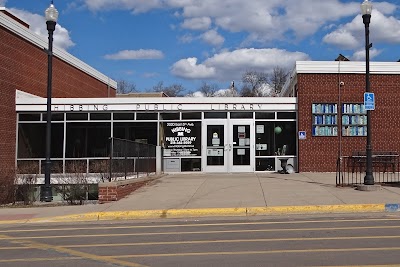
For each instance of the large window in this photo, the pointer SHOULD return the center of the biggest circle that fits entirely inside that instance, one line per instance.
(275, 138)
(145, 132)
(88, 139)
(32, 140)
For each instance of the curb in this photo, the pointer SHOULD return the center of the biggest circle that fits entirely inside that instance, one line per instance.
(212, 212)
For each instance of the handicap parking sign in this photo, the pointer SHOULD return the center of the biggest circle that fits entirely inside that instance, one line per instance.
(369, 101)
(302, 135)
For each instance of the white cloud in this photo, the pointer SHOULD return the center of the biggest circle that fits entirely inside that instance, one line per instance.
(37, 24)
(187, 38)
(263, 21)
(213, 38)
(136, 54)
(360, 54)
(202, 23)
(342, 38)
(188, 69)
(230, 65)
(351, 35)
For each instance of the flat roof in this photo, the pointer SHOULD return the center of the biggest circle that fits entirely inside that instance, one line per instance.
(356, 67)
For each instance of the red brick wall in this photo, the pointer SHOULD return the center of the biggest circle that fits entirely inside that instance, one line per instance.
(116, 192)
(24, 67)
(319, 154)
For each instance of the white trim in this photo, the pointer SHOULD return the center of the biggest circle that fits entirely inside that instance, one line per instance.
(159, 100)
(356, 67)
(162, 104)
(20, 30)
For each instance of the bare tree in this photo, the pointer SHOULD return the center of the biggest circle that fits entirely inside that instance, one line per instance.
(125, 87)
(278, 78)
(254, 84)
(174, 90)
(208, 90)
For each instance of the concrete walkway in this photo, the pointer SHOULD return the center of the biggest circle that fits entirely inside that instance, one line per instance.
(199, 194)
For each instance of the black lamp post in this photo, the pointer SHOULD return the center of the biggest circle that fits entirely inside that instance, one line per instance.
(366, 9)
(51, 21)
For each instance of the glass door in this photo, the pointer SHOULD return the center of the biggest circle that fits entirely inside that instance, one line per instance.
(215, 140)
(241, 146)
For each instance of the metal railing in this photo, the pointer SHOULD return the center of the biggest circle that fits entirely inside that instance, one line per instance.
(350, 170)
(130, 159)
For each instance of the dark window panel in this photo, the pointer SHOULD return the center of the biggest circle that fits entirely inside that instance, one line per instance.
(169, 116)
(265, 115)
(77, 116)
(190, 165)
(88, 139)
(100, 116)
(286, 115)
(136, 130)
(191, 115)
(32, 140)
(146, 116)
(241, 115)
(124, 116)
(29, 117)
(215, 115)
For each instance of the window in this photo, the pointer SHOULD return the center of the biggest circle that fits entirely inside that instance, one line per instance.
(146, 116)
(324, 119)
(124, 116)
(215, 115)
(354, 120)
(100, 116)
(265, 115)
(241, 115)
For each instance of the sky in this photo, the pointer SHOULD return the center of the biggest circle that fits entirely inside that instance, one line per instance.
(190, 42)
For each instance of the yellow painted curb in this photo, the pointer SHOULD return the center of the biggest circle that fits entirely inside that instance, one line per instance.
(209, 212)
(316, 209)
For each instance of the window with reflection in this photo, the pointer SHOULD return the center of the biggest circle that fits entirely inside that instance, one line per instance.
(88, 139)
(275, 138)
(32, 140)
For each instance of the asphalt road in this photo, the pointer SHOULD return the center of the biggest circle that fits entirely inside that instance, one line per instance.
(339, 240)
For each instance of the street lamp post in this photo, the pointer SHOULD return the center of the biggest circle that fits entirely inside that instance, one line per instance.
(366, 9)
(51, 21)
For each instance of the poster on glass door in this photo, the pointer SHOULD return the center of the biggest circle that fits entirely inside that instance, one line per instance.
(182, 139)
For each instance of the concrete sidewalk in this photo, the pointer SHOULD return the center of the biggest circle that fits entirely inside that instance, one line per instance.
(192, 195)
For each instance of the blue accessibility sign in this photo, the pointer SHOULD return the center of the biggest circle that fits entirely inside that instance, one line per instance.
(302, 135)
(369, 101)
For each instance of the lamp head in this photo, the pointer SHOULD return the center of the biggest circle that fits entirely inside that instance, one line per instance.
(366, 8)
(51, 13)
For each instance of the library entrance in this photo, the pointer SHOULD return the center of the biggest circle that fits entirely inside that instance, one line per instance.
(229, 146)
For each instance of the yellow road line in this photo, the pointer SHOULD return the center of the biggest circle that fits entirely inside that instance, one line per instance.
(194, 225)
(40, 259)
(231, 241)
(13, 248)
(204, 232)
(82, 255)
(258, 252)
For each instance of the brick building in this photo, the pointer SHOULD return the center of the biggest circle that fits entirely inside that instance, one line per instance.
(23, 68)
(330, 110)
(323, 100)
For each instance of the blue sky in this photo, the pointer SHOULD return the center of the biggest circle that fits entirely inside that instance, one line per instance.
(193, 41)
